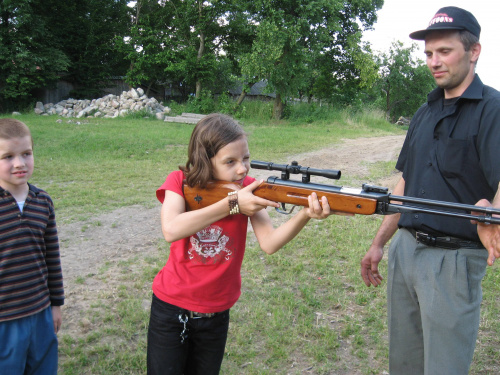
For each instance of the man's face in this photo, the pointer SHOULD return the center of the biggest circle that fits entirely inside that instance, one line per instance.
(451, 66)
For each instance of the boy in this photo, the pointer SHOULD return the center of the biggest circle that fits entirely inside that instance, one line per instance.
(31, 285)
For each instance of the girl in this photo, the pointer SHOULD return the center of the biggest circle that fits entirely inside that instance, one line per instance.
(201, 280)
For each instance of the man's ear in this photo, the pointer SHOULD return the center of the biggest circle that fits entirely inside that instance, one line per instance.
(475, 52)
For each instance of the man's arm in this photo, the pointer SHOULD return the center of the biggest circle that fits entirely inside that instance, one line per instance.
(389, 226)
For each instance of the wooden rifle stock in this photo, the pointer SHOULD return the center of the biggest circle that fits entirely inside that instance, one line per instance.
(215, 191)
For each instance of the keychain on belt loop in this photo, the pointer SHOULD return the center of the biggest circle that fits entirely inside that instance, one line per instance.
(183, 318)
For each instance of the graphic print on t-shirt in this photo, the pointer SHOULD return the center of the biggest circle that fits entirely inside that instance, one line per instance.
(209, 245)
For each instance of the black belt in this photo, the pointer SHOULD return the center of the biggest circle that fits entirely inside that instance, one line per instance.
(444, 242)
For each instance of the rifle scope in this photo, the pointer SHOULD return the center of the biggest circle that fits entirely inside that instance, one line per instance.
(295, 168)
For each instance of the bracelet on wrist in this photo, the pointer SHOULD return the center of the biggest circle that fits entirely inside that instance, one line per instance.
(234, 208)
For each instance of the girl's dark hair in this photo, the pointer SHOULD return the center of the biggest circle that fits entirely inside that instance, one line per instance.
(210, 134)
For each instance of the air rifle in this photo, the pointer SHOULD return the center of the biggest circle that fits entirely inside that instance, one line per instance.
(368, 200)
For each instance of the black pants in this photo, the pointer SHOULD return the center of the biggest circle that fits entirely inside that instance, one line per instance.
(178, 344)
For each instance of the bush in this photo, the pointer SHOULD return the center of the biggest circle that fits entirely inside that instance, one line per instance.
(205, 104)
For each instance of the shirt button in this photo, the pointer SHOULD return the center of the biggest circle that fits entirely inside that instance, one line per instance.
(429, 164)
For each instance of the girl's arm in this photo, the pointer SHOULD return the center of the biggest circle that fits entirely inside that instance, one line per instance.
(271, 239)
(177, 223)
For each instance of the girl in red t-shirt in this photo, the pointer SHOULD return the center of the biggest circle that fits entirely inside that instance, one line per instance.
(201, 281)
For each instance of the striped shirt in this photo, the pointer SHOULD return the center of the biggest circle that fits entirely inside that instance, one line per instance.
(30, 264)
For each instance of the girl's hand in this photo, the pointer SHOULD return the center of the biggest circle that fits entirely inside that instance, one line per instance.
(249, 203)
(321, 209)
(317, 209)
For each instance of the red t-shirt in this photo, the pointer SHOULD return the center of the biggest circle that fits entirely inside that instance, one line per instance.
(202, 272)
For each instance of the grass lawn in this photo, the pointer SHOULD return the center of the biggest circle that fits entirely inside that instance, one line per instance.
(303, 310)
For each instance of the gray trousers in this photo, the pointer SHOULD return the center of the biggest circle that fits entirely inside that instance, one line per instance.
(434, 296)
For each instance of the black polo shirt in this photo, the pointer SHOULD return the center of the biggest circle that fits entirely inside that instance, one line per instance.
(452, 153)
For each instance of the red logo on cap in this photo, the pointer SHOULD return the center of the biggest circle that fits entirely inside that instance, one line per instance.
(440, 17)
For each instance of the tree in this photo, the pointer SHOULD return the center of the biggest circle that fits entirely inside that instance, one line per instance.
(405, 81)
(178, 41)
(43, 40)
(292, 35)
(88, 34)
(344, 78)
(30, 56)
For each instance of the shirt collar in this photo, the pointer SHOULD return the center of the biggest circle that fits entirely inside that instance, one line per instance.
(474, 91)
(32, 188)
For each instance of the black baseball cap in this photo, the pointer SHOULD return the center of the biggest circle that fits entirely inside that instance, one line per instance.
(450, 18)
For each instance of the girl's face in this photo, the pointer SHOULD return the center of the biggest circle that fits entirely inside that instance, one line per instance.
(232, 162)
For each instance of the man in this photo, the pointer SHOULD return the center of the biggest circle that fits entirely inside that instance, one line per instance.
(436, 264)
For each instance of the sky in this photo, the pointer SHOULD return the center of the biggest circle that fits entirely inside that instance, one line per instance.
(398, 18)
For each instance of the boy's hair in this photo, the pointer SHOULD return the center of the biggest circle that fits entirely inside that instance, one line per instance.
(210, 134)
(12, 128)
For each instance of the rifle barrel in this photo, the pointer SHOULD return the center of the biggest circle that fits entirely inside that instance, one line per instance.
(443, 204)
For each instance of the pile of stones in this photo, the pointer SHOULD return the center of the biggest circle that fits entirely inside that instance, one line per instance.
(109, 106)
(403, 121)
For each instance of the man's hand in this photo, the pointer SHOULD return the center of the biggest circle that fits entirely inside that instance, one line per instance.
(369, 266)
(489, 234)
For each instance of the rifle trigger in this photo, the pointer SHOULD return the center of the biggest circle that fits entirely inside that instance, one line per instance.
(283, 210)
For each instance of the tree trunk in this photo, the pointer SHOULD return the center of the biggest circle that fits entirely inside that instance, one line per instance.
(278, 107)
(201, 51)
(244, 94)
(388, 101)
(148, 90)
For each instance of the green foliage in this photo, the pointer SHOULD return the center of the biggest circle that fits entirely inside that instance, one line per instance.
(30, 57)
(303, 47)
(255, 110)
(225, 104)
(205, 104)
(88, 33)
(178, 43)
(405, 81)
(42, 40)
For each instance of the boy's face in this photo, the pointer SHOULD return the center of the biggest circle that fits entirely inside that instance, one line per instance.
(16, 162)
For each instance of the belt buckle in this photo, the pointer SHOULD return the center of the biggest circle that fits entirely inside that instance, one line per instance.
(425, 238)
(197, 315)
(445, 242)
